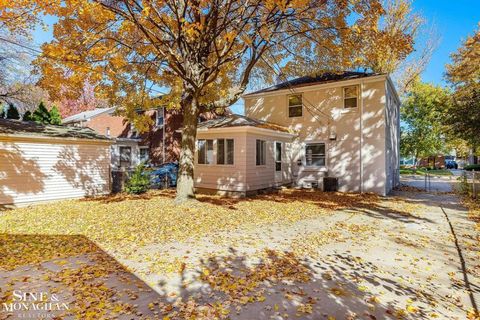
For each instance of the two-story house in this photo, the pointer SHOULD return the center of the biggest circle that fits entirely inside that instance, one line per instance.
(158, 145)
(343, 125)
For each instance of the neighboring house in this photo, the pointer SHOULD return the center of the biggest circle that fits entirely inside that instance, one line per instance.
(125, 152)
(158, 145)
(47, 162)
(347, 126)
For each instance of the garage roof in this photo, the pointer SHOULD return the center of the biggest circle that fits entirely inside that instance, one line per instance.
(27, 128)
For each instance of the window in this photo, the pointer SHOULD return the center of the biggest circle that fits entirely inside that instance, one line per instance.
(278, 156)
(225, 151)
(260, 154)
(350, 97)
(205, 151)
(159, 118)
(295, 105)
(144, 154)
(125, 156)
(315, 155)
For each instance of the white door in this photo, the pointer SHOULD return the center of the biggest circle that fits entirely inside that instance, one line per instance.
(278, 161)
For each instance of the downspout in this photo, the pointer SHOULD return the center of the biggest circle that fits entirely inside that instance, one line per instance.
(361, 137)
(163, 135)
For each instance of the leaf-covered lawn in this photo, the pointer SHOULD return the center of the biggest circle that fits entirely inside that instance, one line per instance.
(295, 254)
(122, 224)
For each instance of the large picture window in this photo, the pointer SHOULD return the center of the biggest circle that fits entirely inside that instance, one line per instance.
(295, 105)
(315, 155)
(225, 151)
(205, 151)
(350, 97)
(260, 152)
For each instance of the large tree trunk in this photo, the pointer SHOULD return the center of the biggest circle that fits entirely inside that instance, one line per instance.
(185, 190)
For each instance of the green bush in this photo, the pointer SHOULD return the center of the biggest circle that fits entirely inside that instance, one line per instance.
(139, 182)
(472, 167)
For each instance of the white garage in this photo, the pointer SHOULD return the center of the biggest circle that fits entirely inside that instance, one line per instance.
(45, 162)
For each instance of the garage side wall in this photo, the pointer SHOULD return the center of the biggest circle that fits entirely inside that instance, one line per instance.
(45, 170)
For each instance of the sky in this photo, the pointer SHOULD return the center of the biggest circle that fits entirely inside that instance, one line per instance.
(454, 21)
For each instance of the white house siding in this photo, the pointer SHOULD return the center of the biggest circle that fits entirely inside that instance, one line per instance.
(323, 115)
(263, 176)
(36, 170)
(222, 177)
(244, 175)
(392, 131)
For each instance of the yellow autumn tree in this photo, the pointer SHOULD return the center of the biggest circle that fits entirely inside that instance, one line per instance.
(205, 51)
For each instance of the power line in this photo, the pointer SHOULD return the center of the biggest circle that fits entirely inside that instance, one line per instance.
(292, 89)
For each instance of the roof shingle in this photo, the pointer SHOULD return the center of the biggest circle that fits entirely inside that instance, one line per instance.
(312, 80)
(27, 128)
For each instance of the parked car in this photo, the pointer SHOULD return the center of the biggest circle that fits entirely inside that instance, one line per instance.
(164, 176)
(451, 164)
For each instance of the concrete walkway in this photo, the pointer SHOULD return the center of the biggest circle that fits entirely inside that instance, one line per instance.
(412, 255)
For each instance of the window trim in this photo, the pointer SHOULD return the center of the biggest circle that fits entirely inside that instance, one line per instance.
(225, 152)
(120, 156)
(307, 167)
(281, 156)
(264, 149)
(357, 97)
(299, 105)
(140, 148)
(206, 152)
(157, 117)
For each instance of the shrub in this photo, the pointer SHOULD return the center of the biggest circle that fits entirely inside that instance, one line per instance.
(472, 167)
(139, 181)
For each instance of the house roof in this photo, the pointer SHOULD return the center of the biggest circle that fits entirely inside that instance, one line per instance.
(236, 120)
(313, 80)
(27, 128)
(87, 115)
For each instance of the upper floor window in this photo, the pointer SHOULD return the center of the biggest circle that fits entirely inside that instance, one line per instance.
(261, 151)
(350, 97)
(315, 155)
(205, 151)
(295, 105)
(225, 151)
(159, 119)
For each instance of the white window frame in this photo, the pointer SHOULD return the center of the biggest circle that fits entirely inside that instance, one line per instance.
(206, 160)
(225, 152)
(351, 97)
(263, 151)
(162, 112)
(277, 154)
(140, 154)
(295, 106)
(120, 155)
(305, 154)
